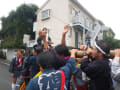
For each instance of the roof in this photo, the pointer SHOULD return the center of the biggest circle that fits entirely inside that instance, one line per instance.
(108, 29)
(101, 22)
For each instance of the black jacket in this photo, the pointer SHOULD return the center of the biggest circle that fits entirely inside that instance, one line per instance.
(99, 73)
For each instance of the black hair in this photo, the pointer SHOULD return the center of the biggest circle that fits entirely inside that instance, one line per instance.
(46, 60)
(38, 49)
(44, 28)
(22, 51)
(104, 45)
(62, 50)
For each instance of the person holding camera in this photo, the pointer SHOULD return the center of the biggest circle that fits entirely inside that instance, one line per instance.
(95, 64)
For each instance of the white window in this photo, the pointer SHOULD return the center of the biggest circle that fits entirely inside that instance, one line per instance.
(45, 14)
(87, 23)
(91, 26)
(75, 12)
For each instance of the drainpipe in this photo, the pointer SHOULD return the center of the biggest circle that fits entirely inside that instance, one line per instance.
(84, 31)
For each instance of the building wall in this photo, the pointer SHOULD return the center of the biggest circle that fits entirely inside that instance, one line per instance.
(58, 19)
(81, 13)
(61, 13)
(10, 54)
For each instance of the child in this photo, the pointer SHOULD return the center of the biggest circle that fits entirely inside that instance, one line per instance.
(52, 79)
(16, 67)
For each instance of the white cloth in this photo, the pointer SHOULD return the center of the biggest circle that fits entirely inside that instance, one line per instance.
(13, 86)
(115, 67)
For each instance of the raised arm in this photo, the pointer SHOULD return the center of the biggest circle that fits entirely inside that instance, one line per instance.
(63, 41)
(70, 65)
(42, 35)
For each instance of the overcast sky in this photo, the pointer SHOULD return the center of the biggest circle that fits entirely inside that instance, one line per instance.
(105, 10)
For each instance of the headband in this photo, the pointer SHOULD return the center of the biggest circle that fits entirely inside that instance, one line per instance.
(99, 49)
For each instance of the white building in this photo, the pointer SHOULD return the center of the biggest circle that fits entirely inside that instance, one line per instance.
(55, 14)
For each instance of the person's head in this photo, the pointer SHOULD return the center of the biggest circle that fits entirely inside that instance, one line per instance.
(36, 50)
(46, 60)
(45, 30)
(16, 52)
(62, 51)
(20, 52)
(100, 49)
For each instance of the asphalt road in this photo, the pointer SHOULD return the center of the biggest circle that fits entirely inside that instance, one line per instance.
(5, 79)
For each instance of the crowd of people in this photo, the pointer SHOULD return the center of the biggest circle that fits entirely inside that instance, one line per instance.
(56, 68)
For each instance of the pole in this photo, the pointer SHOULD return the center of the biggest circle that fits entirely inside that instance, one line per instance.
(84, 31)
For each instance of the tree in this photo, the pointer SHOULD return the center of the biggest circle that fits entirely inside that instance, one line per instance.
(114, 43)
(18, 23)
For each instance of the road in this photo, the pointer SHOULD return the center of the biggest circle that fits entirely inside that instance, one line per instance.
(5, 79)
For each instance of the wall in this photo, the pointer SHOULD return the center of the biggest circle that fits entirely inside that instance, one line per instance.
(58, 19)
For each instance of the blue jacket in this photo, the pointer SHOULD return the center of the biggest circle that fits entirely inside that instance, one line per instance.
(14, 68)
(30, 63)
(34, 66)
(51, 78)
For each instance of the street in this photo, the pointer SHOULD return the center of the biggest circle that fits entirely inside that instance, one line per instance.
(5, 79)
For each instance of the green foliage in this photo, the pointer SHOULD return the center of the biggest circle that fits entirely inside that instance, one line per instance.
(10, 43)
(16, 24)
(114, 43)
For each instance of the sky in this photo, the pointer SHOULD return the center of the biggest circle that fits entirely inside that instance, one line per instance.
(105, 10)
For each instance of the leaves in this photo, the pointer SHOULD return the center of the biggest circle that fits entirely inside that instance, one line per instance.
(114, 43)
(18, 23)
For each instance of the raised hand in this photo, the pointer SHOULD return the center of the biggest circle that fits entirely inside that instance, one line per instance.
(86, 48)
(73, 52)
(66, 28)
(117, 52)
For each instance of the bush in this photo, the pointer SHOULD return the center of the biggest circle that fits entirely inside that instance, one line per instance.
(9, 43)
(114, 43)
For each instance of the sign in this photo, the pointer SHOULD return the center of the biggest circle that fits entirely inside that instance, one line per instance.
(26, 38)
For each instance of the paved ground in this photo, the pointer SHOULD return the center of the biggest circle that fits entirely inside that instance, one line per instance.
(5, 79)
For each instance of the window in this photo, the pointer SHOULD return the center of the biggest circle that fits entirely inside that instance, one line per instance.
(45, 14)
(70, 29)
(76, 13)
(87, 23)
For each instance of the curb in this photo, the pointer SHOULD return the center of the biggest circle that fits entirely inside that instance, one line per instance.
(5, 63)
